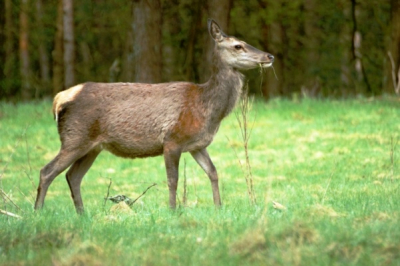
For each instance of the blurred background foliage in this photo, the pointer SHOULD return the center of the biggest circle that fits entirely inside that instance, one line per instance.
(328, 48)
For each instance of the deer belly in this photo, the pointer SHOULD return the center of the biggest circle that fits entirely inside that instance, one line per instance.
(134, 149)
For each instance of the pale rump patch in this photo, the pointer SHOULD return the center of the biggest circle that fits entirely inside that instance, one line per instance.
(63, 97)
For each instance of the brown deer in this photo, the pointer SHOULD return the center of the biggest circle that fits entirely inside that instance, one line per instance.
(137, 120)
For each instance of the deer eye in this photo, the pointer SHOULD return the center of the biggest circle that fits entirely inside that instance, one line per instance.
(238, 47)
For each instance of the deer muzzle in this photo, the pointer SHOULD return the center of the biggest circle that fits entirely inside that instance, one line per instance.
(268, 61)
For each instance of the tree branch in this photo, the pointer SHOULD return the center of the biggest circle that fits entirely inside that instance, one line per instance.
(131, 203)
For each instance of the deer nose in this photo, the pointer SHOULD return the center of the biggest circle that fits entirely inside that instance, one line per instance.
(271, 57)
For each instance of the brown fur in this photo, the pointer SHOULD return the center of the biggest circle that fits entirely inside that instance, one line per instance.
(191, 119)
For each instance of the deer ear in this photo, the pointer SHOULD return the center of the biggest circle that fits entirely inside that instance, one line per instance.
(215, 31)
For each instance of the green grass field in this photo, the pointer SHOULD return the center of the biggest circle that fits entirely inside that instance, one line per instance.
(333, 164)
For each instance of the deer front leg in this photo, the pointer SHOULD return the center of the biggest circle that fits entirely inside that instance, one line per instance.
(204, 160)
(172, 154)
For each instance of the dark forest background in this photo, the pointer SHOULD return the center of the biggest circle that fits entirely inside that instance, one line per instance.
(335, 48)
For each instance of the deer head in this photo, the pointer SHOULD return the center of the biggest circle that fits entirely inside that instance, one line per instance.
(236, 53)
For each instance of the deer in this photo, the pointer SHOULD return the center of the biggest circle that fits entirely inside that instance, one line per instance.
(139, 120)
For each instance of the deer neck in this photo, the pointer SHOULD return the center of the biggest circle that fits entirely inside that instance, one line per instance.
(223, 89)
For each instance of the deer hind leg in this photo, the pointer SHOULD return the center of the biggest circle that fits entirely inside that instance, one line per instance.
(75, 175)
(204, 160)
(172, 155)
(48, 173)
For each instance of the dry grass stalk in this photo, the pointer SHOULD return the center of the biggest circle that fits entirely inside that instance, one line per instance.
(278, 206)
(327, 187)
(10, 214)
(242, 116)
(184, 197)
(108, 193)
(392, 151)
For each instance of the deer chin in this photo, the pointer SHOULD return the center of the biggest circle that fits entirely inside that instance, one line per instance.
(265, 65)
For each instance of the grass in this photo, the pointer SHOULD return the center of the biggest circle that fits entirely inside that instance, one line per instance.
(334, 165)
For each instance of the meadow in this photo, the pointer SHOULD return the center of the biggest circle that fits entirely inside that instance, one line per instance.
(331, 165)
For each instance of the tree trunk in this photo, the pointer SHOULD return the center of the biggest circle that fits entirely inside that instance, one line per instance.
(25, 73)
(69, 43)
(170, 49)
(346, 72)
(9, 54)
(43, 57)
(273, 86)
(272, 37)
(2, 41)
(86, 63)
(356, 50)
(218, 10)
(58, 60)
(128, 65)
(8, 27)
(147, 40)
(394, 46)
(310, 86)
(191, 67)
